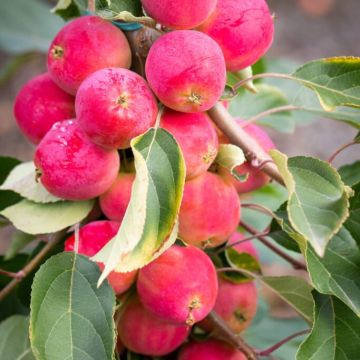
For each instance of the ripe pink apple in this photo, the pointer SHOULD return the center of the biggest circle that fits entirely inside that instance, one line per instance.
(256, 178)
(186, 70)
(39, 104)
(71, 167)
(83, 46)
(184, 14)
(114, 105)
(196, 137)
(210, 349)
(210, 211)
(114, 202)
(245, 247)
(92, 238)
(180, 286)
(243, 29)
(236, 304)
(145, 334)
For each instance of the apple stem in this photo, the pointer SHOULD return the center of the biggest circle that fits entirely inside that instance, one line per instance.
(252, 237)
(235, 339)
(295, 263)
(33, 264)
(15, 275)
(270, 350)
(341, 149)
(248, 144)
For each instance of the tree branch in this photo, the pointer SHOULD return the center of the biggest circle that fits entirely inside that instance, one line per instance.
(295, 263)
(342, 148)
(270, 350)
(236, 340)
(31, 265)
(261, 76)
(248, 144)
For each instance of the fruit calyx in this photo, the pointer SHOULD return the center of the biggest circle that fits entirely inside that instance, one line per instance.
(122, 100)
(57, 52)
(195, 98)
(194, 304)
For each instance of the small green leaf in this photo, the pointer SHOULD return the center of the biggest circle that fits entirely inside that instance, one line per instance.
(350, 174)
(14, 338)
(230, 156)
(247, 105)
(295, 291)
(240, 261)
(335, 334)
(70, 317)
(18, 241)
(318, 199)
(335, 81)
(22, 181)
(149, 226)
(123, 10)
(244, 74)
(67, 9)
(34, 218)
(27, 26)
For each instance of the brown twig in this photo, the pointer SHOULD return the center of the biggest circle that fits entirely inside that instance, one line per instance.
(14, 275)
(236, 340)
(342, 148)
(252, 237)
(270, 112)
(239, 137)
(261, 76)
(31, 265)
(270, 350)
(295, 263)
(259, 208)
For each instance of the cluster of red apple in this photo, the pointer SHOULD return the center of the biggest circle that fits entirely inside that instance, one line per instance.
(89, 105)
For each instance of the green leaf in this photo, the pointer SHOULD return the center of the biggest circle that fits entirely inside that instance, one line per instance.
(337, 273)
(295, 291)
(18, 241)
(335, 81)
(233, 78)
(123, 10)
(350, 174)
(149, 226)
(27, 26)
(14, 338)
(230, 156)
(247, 105)
(6, 165)
(241, 261)
(335, 334)
(34, 218)
(68, 9)
(318, 199)
(22, 181)
(70, 317)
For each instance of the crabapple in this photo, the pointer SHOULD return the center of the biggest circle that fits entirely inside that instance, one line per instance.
(92, 238)
(144, 333)
(114, 202)
(256, 178)
(83, 46)
(71, 167)
(211, 349)
(114, 105)
(210, 211)
(243, 29)
(196, 137)
(186, 70)
(39, 104)
(184, 14)
(236, 304)
(180, 286)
